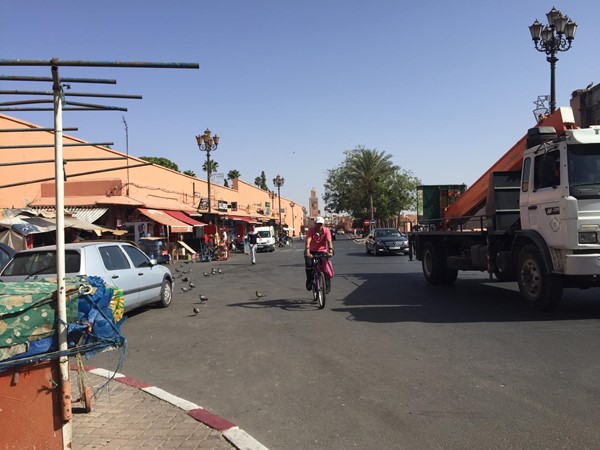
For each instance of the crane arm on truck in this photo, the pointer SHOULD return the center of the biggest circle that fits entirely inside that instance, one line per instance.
(473, 199)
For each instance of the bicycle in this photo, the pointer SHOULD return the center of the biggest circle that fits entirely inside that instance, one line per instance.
(319, 284)
(285, 241)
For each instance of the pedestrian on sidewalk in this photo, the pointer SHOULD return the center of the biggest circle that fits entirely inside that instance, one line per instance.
(252, 241)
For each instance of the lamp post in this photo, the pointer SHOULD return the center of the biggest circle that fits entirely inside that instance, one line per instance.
(278, 181)
(550, 39)
(207, 144)
(292, 204)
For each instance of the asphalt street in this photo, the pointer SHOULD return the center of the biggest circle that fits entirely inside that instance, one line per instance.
(391, 362)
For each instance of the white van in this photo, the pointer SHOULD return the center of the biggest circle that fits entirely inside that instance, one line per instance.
(266, 238)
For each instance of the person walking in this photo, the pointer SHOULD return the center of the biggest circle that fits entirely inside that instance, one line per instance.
(318, 240)
(252, 241)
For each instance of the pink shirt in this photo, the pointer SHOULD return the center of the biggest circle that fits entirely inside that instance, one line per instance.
(318, 241)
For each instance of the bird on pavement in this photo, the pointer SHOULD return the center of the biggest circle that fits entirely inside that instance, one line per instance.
(203, 298)
(184, 289)
(219, 270)
(185, 279)
(260, 294)
(196, 310)
(206, 274)
(192, 285)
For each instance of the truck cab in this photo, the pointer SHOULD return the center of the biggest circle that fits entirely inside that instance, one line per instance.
(560, 199)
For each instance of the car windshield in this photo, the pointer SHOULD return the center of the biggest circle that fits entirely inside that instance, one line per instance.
(386, 233)
(41, 263)
(264, 234)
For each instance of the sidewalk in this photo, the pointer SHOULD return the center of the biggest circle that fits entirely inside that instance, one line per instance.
(129, 414)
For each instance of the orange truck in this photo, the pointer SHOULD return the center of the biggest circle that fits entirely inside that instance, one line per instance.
(533, 217)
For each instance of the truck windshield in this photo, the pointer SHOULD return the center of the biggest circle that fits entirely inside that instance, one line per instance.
(584, 170)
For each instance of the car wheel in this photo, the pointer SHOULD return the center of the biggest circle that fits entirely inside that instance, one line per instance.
(166, 294)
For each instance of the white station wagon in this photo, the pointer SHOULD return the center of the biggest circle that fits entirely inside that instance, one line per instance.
(120, 264)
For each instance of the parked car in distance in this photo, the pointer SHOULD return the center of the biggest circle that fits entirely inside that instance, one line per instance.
(341, 231)
(6, 254)
(386, 241)
(119, 263)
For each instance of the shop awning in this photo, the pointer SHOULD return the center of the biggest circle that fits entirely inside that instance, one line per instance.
(185, 218)
(162, 217)
(244, 219)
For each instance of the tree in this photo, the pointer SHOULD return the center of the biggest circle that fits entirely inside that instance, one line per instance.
(368, 168)
(189, 172)
(367, 181)
(160, 161)
(214, 166)
(261, 181)
(233, 174)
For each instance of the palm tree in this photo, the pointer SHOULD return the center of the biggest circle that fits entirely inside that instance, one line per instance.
(233, 174)
(190, 172)
(213, 166)
(369, 167)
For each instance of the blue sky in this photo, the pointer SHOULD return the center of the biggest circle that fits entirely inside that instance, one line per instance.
(445, 87)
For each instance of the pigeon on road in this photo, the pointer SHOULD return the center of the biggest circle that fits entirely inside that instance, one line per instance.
(185, 279)
(203, 298)
(192, 285)
(260, 294)
(184, 289)
(206, 274)
(219, 270)
(196, 310)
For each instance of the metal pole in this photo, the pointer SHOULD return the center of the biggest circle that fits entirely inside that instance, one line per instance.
(208, 174)
(61, 293)
(552, 60)
(280, 224)
(127, 151)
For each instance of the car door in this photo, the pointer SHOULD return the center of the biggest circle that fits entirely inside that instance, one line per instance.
(121, 273)
(150, 281)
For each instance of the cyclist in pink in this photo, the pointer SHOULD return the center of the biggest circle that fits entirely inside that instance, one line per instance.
(318, 239)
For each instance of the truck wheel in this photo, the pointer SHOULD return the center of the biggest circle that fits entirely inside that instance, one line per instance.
(432, 264)
(541, 290)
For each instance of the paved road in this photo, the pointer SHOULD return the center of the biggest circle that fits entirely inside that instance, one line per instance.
(391, 362)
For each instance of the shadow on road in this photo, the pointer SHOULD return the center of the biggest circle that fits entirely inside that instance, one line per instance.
(290, 304)
(407, 297)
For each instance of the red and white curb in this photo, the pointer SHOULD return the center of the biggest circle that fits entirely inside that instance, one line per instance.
(238, 437)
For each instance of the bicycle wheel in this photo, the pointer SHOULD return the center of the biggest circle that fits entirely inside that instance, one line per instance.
(315, 286)
(321, 295)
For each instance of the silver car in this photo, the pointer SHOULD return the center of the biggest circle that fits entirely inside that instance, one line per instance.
(120, 264)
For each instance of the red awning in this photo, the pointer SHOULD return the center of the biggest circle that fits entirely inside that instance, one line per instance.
(160, 216)
(184, 218)
(243, 219)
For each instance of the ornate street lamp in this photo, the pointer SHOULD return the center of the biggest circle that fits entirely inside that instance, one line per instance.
(207, 144)
(550, 39)
(278, 181)
(292, 204)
